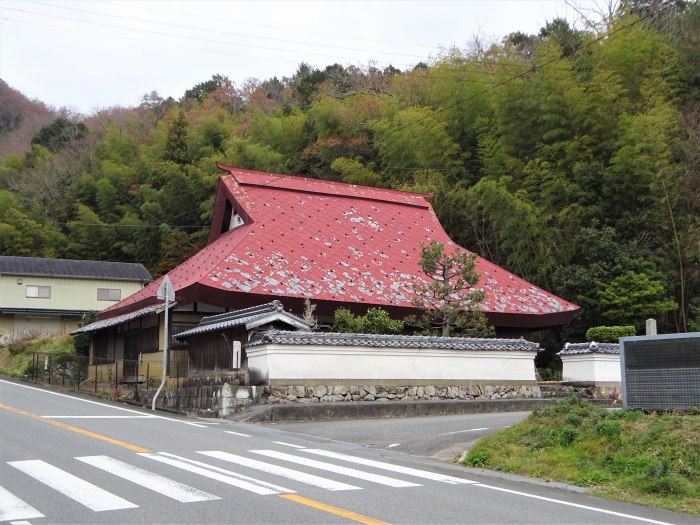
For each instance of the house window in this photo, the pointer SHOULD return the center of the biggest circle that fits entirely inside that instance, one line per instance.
(39, 292)
(109, 294)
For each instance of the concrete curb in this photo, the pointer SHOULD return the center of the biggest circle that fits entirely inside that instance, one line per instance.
(319, 411)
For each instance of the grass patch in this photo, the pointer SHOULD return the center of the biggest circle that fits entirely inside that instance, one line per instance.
(650, 459)
(16, 358)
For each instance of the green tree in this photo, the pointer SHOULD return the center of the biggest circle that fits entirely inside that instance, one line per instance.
(59, 133)
(633, 297)
(176, 143)
(375, 321)
(23, 236)
(201, 90)
(449, 299)
(416, 139)
(353, 172)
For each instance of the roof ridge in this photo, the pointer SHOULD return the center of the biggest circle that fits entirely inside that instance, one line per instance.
(243, 312)
(374, 192)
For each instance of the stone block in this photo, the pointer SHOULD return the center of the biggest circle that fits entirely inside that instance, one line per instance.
(320, 391)
(279, 391)
(242, 393)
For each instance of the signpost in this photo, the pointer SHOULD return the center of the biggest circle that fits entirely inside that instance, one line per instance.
(165, 292)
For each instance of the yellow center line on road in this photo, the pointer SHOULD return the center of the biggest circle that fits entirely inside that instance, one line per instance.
(87, 433)
(366, 520)
(333, 510)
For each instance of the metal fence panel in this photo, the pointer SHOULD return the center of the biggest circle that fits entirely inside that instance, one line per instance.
(661, 372)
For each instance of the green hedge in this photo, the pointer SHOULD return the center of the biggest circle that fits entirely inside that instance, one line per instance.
(609, 334)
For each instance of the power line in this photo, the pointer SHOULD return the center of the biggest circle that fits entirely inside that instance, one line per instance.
(208, 30)
(201, 39)
(283, 28)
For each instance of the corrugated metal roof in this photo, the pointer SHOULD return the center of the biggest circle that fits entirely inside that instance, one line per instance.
(255, 315)
(590, 348)
(74, 268)
(281, 337)
(338, 243)
(112, 321)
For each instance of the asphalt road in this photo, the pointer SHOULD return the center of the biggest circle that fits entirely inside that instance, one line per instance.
(67, 459)
(444, 438)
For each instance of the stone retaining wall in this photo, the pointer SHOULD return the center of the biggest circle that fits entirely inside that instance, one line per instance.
(556, 390)
(338, 393)
(221, 399)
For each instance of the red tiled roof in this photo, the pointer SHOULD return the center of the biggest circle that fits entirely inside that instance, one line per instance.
(333, 242)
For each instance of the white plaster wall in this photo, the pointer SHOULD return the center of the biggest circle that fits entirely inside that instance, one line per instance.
(298, 363)
(591, 368)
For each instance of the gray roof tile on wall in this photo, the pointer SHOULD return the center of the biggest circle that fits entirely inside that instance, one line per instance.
(391, 341)
(74, 268)
(590, 348)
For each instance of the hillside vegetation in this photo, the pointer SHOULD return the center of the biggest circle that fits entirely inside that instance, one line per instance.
(17, 357)
(569, 157)
(651, 459)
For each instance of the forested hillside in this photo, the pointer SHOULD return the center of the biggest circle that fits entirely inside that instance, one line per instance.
(569, 157)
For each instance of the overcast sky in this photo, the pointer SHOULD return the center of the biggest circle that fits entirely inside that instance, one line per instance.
(88, 55)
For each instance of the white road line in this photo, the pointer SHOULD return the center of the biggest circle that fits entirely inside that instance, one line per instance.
(237, 433)
(296, 475)
(219, 474)
(76, 398)
(99, 417)
(288, 444)
(353, 473)
(196, 425)
(577, 505)
(85, 493)
(165, 486)
(425, 474)
(13, 508)
(393, 445)
(104, 405)
(20, 523)
(462, 431)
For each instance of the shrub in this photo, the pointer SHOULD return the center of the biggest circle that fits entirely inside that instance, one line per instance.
(608, 428)
(567, 435)
(375, 321)
(609, 334)
(477, 458)
(21, 344)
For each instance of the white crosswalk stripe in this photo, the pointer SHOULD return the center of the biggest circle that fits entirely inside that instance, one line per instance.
(161, 484)
(85, 493)
(13, 508)
(425, 474)
(296, 475)
(374, 478)
(219, 474)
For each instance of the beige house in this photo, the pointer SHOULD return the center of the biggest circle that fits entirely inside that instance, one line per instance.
(51, 296)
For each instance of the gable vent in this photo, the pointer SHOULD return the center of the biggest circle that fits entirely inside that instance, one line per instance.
(236, 221)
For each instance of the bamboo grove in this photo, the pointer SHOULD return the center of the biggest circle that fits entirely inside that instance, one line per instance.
(570, 157)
